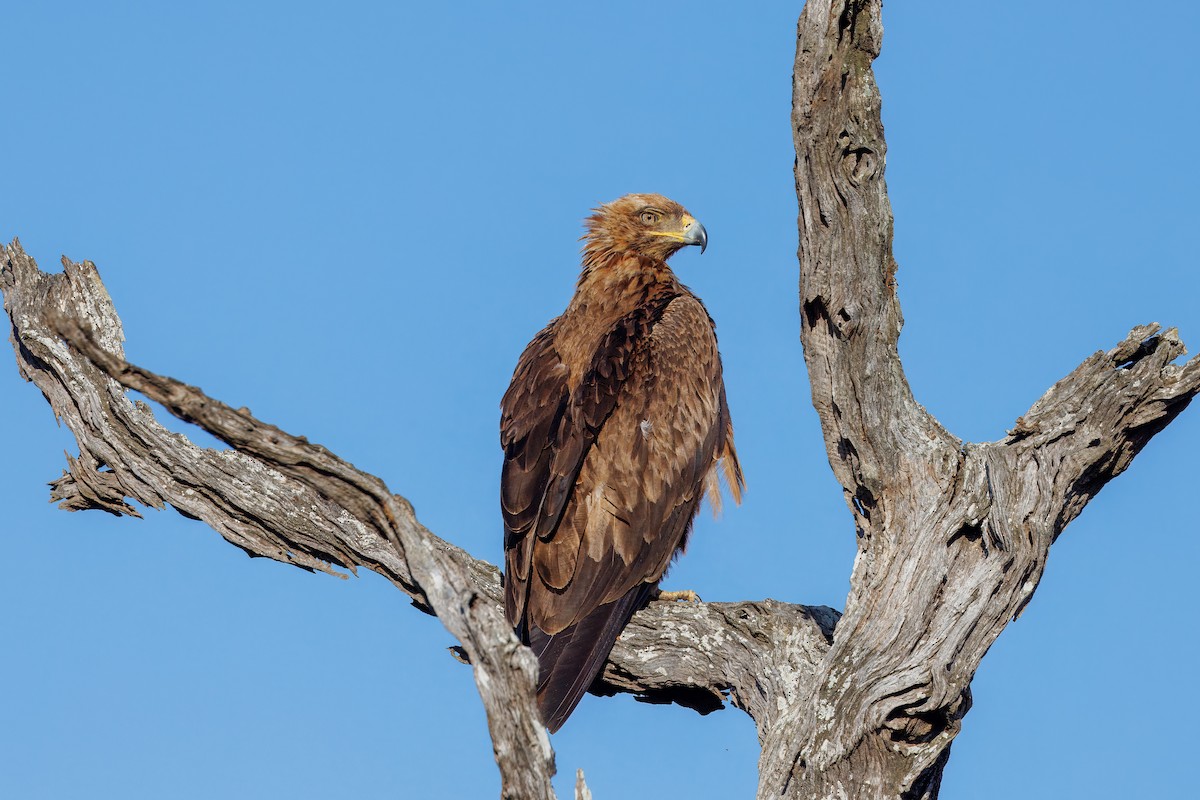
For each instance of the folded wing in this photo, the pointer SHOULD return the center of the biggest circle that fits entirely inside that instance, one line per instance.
(601, 481)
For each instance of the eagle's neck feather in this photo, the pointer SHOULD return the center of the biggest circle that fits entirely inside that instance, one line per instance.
(602, 297)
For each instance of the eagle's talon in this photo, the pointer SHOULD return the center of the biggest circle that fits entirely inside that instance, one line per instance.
(683, 595)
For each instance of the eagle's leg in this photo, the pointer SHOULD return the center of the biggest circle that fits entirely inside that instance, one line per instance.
(682, 595)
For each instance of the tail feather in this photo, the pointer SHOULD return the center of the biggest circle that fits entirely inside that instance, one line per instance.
(570, 660)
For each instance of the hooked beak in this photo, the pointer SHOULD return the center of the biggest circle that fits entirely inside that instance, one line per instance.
(694, 233)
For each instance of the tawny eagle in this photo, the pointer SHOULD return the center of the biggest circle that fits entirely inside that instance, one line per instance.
(614, 427)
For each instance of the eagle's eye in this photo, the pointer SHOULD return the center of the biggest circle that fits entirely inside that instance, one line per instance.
(650, 218)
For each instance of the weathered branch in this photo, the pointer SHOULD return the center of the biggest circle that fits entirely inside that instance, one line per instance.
(274, 495)
(693, 654)
(1088, 427)
(582, 792)
(278, 496)
(953, 537)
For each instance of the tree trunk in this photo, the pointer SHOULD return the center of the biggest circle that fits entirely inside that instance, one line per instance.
(952, 537)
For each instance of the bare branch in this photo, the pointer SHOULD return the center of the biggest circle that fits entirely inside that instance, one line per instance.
(695, 654)
(1088, 427)
(279, 496)
(275, 495)
(582, 792)
(850, 315)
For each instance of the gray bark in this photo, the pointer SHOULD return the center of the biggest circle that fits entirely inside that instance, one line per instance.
(953, 537)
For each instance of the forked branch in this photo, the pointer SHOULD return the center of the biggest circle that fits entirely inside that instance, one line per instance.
(953, 537)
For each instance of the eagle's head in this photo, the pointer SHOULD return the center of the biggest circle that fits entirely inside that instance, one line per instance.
(649, 225)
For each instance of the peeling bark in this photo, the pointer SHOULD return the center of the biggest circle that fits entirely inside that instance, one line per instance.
(952, 536)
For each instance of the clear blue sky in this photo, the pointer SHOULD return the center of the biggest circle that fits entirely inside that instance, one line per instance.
(352, 220)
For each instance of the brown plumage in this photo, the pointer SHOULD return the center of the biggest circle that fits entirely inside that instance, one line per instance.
(613, 428)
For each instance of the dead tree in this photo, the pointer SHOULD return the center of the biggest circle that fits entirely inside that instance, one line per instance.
(952, 536)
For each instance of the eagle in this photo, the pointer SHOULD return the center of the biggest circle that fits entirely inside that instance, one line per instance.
(614, 427)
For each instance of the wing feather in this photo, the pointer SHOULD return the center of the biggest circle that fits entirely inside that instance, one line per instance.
(640, 484)
(532, 413)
